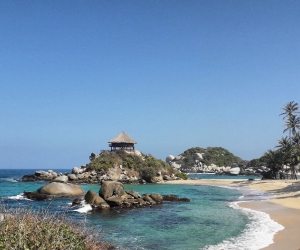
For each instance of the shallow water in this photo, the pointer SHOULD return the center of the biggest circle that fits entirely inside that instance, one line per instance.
(212, 220)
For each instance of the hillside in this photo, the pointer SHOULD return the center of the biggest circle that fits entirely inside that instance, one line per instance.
(204, 156)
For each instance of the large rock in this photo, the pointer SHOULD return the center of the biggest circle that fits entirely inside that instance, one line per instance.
(72, 177)
(62, 178)
(198, 156)
(134, 194)
(94, 199)
(170, 158)
(61, 189)
(75, 170)
(234, 171)
(115, 201)
(111, 188)
(156, 197)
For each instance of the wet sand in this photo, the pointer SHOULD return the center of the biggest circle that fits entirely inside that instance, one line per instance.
(283, 208)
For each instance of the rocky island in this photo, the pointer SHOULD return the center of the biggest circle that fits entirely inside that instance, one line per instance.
(122, 163)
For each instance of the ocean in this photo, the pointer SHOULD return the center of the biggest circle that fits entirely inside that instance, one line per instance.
(211, 221)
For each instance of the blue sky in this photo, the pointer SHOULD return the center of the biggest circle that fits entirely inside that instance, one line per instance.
(171, 74)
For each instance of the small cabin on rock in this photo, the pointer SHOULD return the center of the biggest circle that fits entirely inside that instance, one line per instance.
(122, 141)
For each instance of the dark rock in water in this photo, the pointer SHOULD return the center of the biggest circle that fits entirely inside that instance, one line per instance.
(76, 202)
(95, 200)
(147, 198)
(184, 199)
(29, 177)
(36, 196)
(111, 188)
(170, 197)
(156, 197)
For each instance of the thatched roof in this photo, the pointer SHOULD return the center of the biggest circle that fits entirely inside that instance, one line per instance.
(122, 138)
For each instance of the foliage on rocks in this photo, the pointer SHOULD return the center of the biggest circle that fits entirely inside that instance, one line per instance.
(211, 155)
(181, 175)
(146, 165)
(22, 228)
(105, 161)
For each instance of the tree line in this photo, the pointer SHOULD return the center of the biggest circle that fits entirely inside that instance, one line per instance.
(284, 160)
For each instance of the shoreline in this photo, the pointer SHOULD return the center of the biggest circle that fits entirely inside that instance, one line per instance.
(283, 207)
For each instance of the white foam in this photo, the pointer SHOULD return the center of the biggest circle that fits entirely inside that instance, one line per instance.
(85, 208)
(18, 197)
(258, 234)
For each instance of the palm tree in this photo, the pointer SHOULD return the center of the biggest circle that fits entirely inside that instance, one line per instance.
(274, 159)
(290, 145)
(284, 143)
(292, 124)
(289, 109)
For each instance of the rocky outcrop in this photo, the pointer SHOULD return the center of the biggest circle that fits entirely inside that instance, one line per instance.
(40, 175)
(112, 195)
(83, 175)
(206, 161)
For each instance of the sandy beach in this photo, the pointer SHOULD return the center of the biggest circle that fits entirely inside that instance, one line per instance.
(283, 208)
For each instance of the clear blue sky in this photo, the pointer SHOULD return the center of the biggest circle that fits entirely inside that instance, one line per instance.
(171, 74)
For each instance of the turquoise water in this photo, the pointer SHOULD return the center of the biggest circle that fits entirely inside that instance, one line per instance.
(210, 221)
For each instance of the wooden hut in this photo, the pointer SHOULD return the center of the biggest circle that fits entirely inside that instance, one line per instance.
(122, 141)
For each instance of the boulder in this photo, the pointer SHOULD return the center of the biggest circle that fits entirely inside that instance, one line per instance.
(115, 201)
(94, 199)
(41, 173)
(198, 156)
(234, 171)
(170, 158)
(75, 170)
(134, 194)
(76, 202)
(61, 189)
(147, 198)
(62, 178)
(72, 177)
(28, 178)
(36, 196)
(170, 197)
(156, 179)
(156, 197)
(111, 188)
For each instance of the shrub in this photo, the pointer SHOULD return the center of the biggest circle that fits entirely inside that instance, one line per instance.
(148, 173)
(105, 161)
(181, 175)
(26, 229)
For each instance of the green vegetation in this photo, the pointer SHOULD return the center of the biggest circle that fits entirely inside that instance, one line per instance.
(105, 161)
(146, 165)
(181, 175)
(25, 229)
(288, 149)
(215, 155)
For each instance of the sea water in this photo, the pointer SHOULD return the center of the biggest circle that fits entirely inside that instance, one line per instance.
(212, 220)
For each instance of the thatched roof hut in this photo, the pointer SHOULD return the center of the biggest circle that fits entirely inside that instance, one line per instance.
(122, 141)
